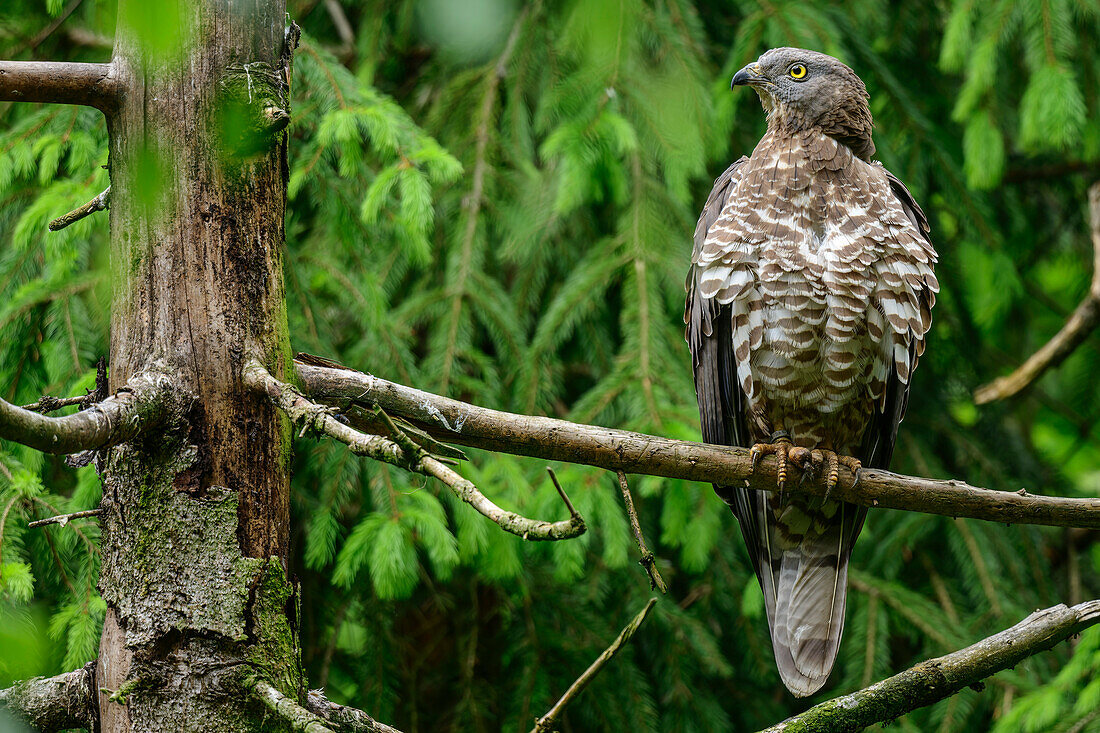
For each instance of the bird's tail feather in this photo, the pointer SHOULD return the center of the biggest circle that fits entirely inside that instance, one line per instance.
(805, 593)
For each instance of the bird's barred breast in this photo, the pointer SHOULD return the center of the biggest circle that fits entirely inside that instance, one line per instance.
(829, 283)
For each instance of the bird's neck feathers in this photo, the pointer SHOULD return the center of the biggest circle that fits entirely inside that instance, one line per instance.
(849, 123)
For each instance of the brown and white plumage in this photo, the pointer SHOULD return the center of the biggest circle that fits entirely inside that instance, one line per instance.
(809, 298)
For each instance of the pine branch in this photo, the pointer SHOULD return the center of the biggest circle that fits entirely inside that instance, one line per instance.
(116, 419)
(546, 722)
(1081, 323)
(54, 703)
(621, 450)
(936, 679)
(403, 452)
(56, 82)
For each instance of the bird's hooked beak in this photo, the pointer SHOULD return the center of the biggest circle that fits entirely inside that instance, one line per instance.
(751, 75)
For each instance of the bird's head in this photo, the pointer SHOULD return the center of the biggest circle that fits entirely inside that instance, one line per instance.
(803, 89)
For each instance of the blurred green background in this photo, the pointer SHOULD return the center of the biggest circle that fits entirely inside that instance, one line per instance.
(494, 201)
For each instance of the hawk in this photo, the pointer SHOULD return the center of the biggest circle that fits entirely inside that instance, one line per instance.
(809, 298)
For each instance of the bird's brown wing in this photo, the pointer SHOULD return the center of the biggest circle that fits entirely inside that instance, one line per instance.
(709, 332)
(882, 433)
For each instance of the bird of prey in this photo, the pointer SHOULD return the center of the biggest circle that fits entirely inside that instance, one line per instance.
(809, 298)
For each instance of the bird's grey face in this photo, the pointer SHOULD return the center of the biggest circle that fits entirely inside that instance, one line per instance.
(801, 86)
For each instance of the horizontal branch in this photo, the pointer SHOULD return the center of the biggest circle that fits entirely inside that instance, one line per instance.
(546, 722)
(99, 203)
(114, 420)
(637, 453)
(54, 703)
(939, 678)
(1080, 324)
(409, 456)
(59, 82)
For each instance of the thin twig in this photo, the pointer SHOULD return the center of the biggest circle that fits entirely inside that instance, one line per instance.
(621, 450)
(64, 519)
(648, 561)
(50, 404)
(99, 203)
(403, 452)
(546, 722)
(1080, 324)
(936, 679)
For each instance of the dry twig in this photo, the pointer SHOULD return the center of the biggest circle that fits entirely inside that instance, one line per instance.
(1081, 323)
(546, 722)
(402, 451)
(648, 561)
(64, 519)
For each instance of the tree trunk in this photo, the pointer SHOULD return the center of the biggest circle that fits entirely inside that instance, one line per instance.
(195, 521)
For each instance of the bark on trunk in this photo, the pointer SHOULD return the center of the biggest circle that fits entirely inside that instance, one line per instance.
(195, 520)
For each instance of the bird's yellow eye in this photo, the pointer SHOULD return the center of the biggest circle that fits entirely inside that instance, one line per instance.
(798, 71)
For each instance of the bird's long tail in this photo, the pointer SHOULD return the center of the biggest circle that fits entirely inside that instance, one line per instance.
(803, 569)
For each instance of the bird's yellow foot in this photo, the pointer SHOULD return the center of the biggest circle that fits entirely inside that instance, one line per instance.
(812, 461)
(779, 447)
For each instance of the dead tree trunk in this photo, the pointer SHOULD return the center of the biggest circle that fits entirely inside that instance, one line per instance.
(195, 521)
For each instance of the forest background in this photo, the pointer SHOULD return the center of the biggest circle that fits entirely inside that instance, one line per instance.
(494, 201)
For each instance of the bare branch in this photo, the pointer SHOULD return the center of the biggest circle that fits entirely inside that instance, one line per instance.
(621, 450)
(92, 85)
(403, 452)
(936, 679)
(648, 561)
(51, 404)
(344, 718)
(546, 722)
(1081, 323)
(54, 703)
(64, 519)
(114, 420)
(99, 203)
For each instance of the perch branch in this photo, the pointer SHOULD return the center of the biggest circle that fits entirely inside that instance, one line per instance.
(636, 453)
(54, 703)
(939, 678)
(64, 519)
(112, 421)
(648, 561)
(402, 451)
(343, 718)
(92, 85)
(546, 722)
(1081, 323)
(99, 203)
